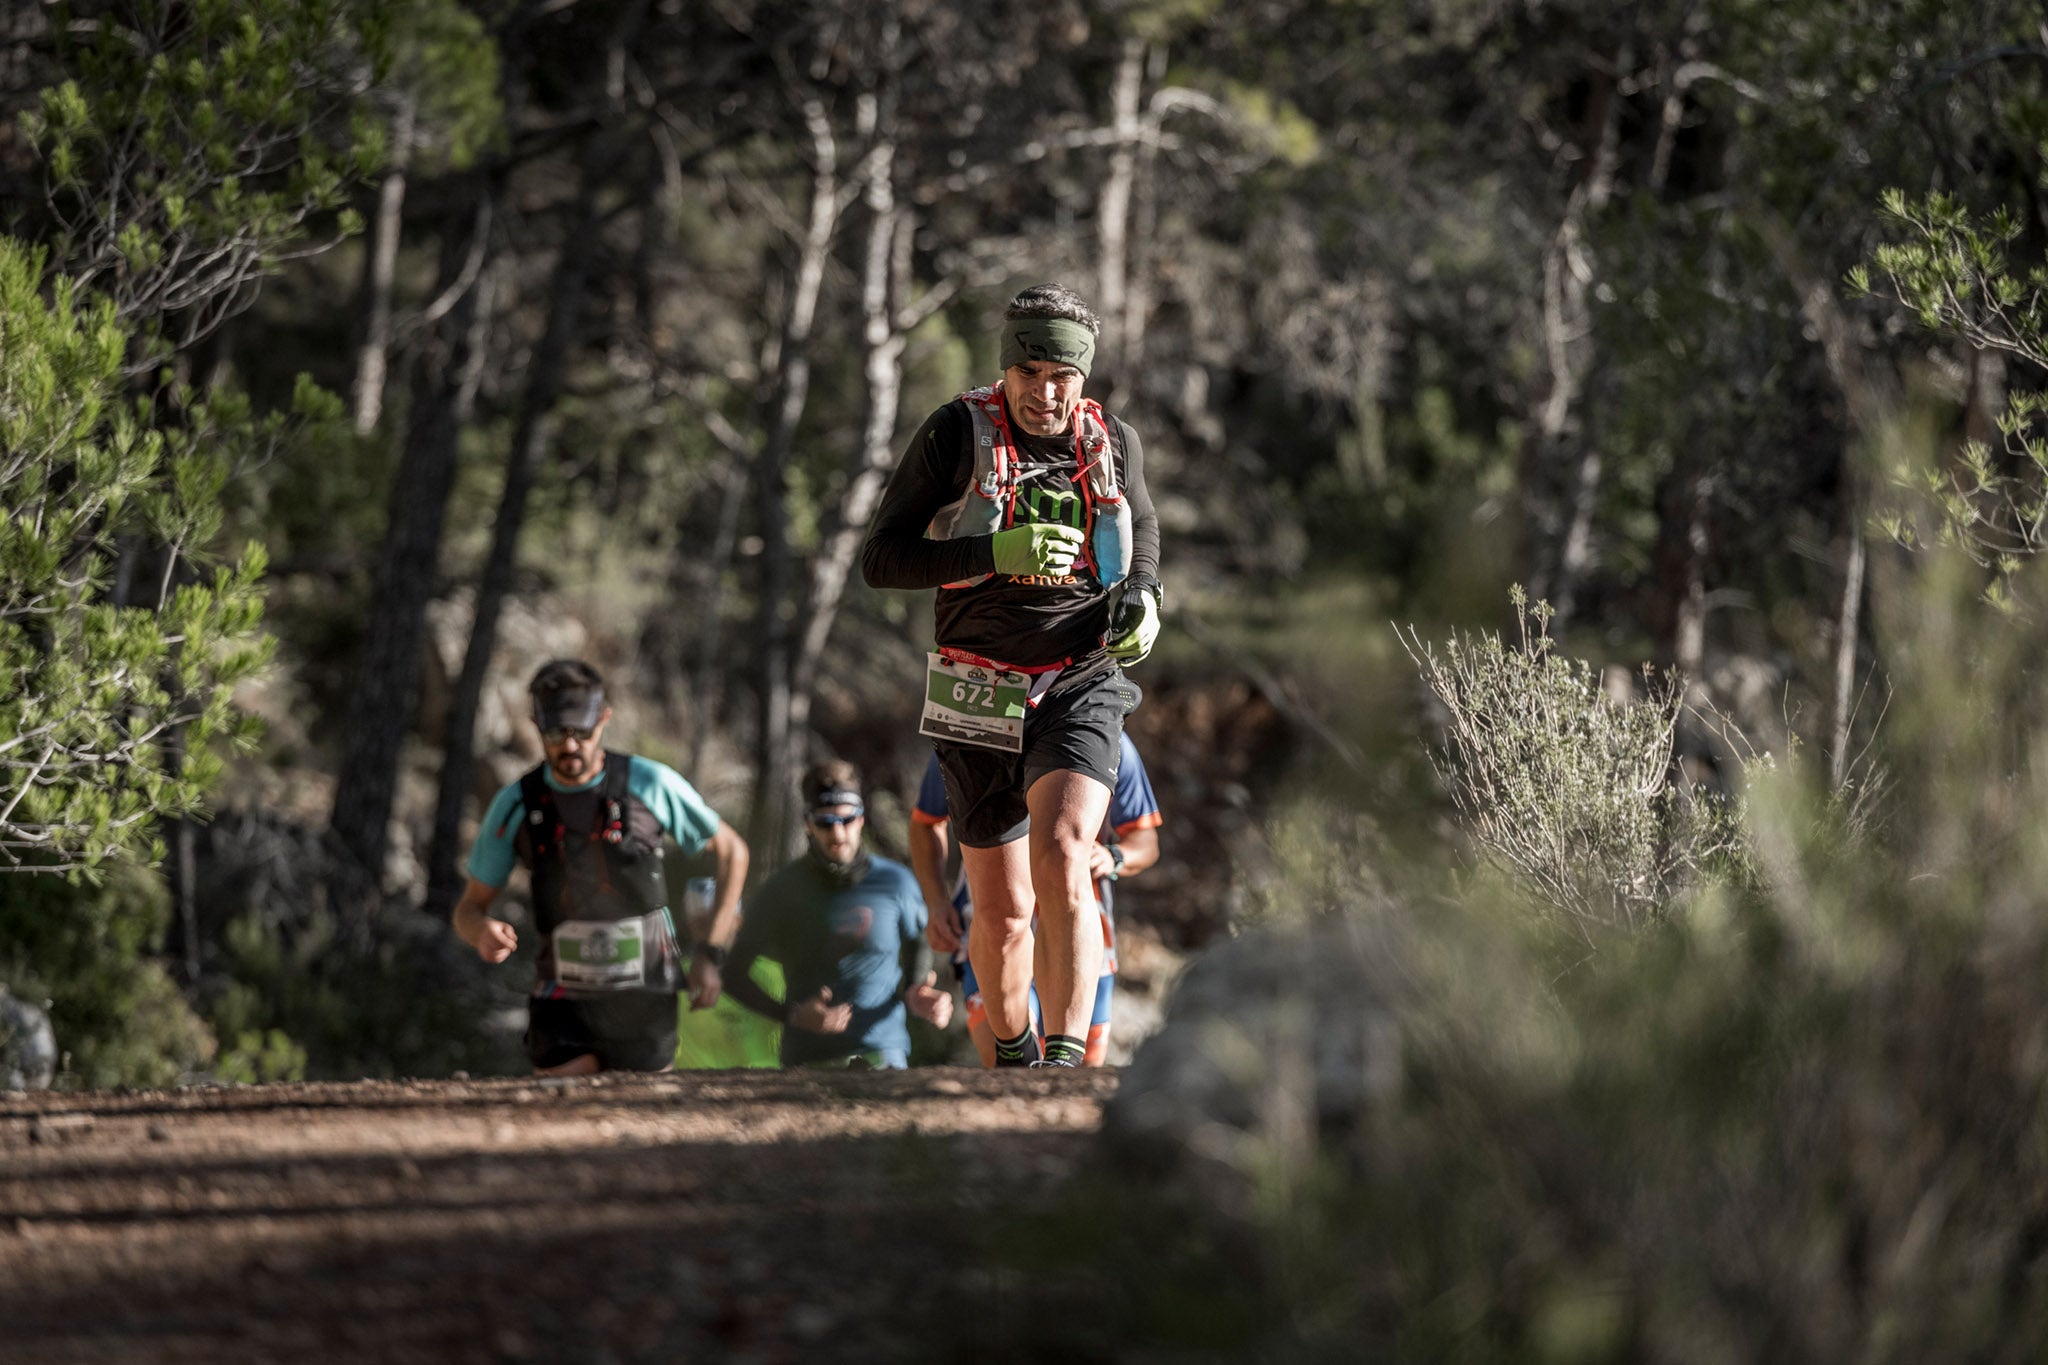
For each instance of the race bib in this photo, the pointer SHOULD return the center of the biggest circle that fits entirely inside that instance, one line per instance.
(601, 955)
(974, 704)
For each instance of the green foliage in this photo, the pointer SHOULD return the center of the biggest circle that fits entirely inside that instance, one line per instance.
(1952, 270)
(1567, 789)
(305, 997)
(1159, 21)
(1411, 491)
(258, 1058)
(447, 68)
(191, 146)
(1274, 123)
(89, 950)
(123, 632)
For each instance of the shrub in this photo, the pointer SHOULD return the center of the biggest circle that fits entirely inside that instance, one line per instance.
(114, 701)
(312, 976)
(1572, 793)
(89, 950)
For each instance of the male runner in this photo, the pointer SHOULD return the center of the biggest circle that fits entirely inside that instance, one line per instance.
(1126, 846)
(1025, 505)
(587, 825)
(848, 928)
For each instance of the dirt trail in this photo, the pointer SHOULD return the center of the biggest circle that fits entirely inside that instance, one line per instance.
(747, 1216)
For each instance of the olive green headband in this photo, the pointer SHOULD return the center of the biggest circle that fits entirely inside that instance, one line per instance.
(1060, 340)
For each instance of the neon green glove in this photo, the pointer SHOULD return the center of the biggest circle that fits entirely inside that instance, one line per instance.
(1037, 548)
(1133, 621)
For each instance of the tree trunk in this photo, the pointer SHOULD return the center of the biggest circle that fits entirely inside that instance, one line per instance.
(1576, 556)
(385, 693)
(1870, 407)
(706, 688)
(1848, 636)
(181, 872)
(1113, 215)
(1691, 542)
(532, 430)
(1138, 281)
(772, 826)
(380, 267)
(883, 344)
(1560, 467)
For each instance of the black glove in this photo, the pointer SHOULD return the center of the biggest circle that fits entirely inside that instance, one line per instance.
(1133, 618)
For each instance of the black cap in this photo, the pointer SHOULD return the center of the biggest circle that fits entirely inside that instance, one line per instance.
(569, 708)
(567, 694)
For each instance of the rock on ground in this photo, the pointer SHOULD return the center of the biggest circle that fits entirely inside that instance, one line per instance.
(1272, 1042)
(28, 1047)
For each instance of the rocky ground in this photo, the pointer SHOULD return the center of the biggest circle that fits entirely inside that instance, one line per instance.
(742, 1216)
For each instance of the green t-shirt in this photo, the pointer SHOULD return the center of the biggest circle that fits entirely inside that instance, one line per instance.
(729, 1034)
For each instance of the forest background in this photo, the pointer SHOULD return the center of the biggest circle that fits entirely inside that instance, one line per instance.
(507, 331)
(1598, 453)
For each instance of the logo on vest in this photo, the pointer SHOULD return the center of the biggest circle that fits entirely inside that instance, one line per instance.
(1056, 507)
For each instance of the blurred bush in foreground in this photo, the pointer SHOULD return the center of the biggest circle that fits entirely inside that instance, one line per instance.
(1798, 1116)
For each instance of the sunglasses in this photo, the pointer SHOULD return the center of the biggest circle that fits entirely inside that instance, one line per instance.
(567, 732)
(828, 821)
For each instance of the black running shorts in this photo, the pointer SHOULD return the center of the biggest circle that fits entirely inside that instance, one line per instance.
(629, 1031)
(1080, 731)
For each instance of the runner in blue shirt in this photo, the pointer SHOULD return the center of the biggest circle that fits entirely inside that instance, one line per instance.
(587, 825)
(1129, 843)
(848, 928)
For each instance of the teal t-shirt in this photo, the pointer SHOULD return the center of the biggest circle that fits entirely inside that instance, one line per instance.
(848, 936)
(660, 788)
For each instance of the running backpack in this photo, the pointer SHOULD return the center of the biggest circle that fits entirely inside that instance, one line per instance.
(608, 872)
(990, 502)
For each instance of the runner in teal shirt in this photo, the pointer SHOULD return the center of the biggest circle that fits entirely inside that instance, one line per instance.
(588, 826)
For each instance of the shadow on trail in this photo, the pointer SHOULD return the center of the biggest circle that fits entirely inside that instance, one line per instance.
(764, 1086)
(840, 1248)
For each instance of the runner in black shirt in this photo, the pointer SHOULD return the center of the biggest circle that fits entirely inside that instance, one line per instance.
(1025, 505)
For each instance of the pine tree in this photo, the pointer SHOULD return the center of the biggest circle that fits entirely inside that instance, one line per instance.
(103, 674)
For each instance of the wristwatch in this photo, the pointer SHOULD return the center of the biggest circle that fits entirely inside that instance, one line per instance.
(1116, 861)
(710, 952)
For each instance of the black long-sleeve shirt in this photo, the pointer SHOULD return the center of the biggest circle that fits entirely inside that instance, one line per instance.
(1025, 622)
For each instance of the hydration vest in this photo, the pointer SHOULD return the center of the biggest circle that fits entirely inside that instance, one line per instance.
(610, 871)
(990, 502)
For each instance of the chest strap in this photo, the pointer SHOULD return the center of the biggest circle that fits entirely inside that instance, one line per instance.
(989, 503)
(545, 831)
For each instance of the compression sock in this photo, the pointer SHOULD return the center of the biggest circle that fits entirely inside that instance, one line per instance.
(1061, 1050)
(1019, 1051)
